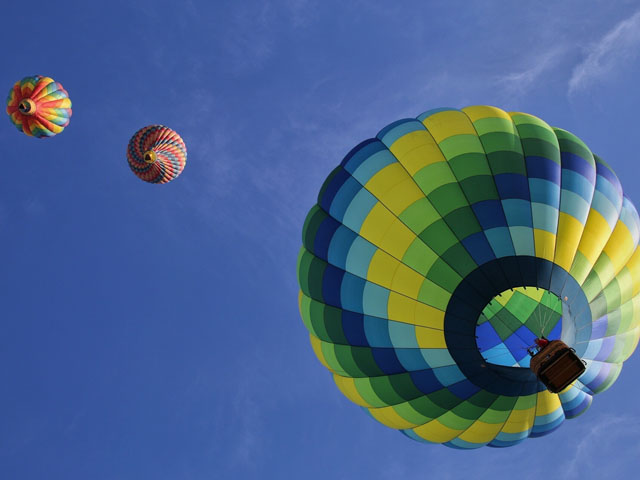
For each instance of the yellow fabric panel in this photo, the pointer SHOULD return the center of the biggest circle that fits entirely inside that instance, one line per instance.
(504, 297)
(347, 386)
(388, 416)
(569, 231)
(446, 124)
(397, 239)
(519, 421)
(595, 236)
(434, 431)
(428, 316)
(377, 223)
(401, 308)
(401, 196)
(481, 432)
(545, 244)
(546, 403)
(620, 246)
(483, 111)
(430, 338)
(382, 268)
(407, 281)
(634, 269)
(386, 179)
(416, 150)
(316, 344)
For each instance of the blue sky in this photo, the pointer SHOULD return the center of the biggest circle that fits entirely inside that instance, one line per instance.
(152, 331)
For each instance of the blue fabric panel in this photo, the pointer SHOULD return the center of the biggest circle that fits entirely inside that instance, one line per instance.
(353, 328)
(360, 153)
(386, 359)
(359, 257)
(512, 185)
(358, 209)
(398, 129)
(544, 191)
(377, 331)
(489, 214)
(542, 167)
(339, 247)
(350, 292)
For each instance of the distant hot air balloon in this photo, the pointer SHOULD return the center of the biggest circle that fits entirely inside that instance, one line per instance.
(39, 106)
(441, 249)
(156, 154)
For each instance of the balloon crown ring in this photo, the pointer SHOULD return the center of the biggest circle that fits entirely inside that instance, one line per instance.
(150, 156)
(27, 107)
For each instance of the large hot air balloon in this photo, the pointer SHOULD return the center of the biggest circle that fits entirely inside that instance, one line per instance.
(156, 154)
(39, 106)
(441, 249)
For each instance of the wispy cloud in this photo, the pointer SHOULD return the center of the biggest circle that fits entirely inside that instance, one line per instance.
(611, 52)
(592, 446)
(522, 81)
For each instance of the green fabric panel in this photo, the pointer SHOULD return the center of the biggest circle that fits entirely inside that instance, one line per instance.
(469, 165)
(525, 402)
(463, 222)
(364, 388)
(507, 162)
(479, 188)
(356, 361)
(385, 389)
(438, 236)
(442, 274)
(419, 215)
(496, 142)
(434, 295)
(483, 399)
(469, 411)
(419, 257)
(410, 414)
(331, 320)
(570, 143)
(485, 126)
(311, 224)
(451, 420)
(459, 259)
(329, 354)
(460, 144)
(448, 198)
(581, 266)
(529, 131)
(310, 272)
(426, 407)
(534, 147)
(434, 176)
(444, 398)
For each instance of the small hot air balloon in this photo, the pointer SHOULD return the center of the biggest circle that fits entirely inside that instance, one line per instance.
(156, 154)
(39, 106)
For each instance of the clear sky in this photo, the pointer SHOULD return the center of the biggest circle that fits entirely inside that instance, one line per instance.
(152, 332)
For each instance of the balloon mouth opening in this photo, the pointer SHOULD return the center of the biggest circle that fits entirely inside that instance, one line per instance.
(513, 320)
(27, 107)
(150, 156)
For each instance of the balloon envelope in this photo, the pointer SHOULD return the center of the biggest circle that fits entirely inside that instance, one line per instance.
(156, 154)
(440, 249)
(39, 106)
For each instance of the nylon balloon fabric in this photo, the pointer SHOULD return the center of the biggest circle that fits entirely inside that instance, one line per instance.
(39, 106)
(157, 154)
(441, 248)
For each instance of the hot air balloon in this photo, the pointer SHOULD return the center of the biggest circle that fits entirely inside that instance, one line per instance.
(39, 106)
(156, 154)
(441, 249)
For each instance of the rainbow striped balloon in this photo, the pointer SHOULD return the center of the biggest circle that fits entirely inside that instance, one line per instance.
(157, 154)
(39, 106)
(440, 249)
